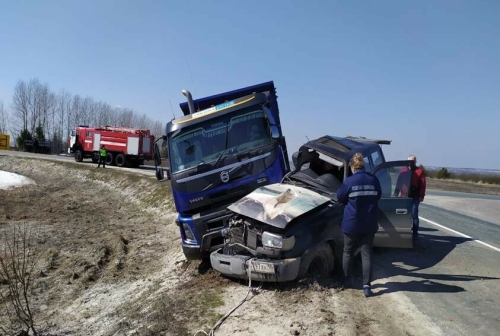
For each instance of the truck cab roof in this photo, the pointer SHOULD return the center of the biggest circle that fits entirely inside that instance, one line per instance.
(207, 102)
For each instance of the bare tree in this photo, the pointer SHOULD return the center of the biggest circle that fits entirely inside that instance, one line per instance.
(20, 106)
(46, 102)
(65, 101)
(156, 128)
(140, 121)
(76, 115)
(3, 119)
(35, 96)
(125, 117)
(31, 105)
(34, 103)
(18, 259)
(86, 110)
(103, 114)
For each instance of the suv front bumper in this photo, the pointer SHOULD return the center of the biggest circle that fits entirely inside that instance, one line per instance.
(238, 266)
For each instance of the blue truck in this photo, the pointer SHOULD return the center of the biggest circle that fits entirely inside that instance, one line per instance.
(221, 149)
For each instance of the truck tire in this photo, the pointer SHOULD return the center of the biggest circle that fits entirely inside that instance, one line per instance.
(120, 160)
(109, 159)
(78, 156)
(319, 261)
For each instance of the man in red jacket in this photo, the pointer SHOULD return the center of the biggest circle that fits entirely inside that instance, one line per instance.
(417, 186)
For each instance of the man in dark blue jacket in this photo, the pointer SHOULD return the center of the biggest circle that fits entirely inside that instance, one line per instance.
(360, 194)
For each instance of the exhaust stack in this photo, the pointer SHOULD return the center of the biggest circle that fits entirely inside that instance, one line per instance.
(189, 100)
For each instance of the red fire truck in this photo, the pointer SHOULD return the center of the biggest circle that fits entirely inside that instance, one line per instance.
(125, 146)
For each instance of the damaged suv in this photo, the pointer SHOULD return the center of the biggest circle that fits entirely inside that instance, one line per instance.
(288, 230)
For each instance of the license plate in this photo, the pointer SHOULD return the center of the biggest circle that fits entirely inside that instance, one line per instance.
(262, 267)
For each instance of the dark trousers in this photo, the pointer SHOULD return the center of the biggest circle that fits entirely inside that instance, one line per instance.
(102, 159)
(351, 242)
(414, 216)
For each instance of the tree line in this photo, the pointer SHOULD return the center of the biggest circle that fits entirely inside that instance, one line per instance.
(37, 111)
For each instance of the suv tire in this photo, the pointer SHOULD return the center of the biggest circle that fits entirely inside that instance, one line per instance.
(318, 261)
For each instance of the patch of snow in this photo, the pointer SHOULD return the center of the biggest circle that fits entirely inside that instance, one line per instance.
(11, 180)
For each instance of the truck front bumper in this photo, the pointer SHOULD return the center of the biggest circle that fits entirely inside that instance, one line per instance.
(192, 252)
(268, 270)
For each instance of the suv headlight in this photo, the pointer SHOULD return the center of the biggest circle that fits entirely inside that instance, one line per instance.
(277, 241)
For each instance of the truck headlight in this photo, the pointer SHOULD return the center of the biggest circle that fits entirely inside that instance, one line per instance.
(277, 241)
(188, 233)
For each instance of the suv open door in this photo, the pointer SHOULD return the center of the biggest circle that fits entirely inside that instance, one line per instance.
(395, 222)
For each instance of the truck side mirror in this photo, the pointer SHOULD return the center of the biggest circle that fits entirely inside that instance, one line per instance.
(159, 173)
(275, 134)
(295, 158)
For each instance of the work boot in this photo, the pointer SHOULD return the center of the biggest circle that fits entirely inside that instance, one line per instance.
(367, 290)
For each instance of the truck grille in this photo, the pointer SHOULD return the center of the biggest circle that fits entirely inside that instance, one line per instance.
(216, 223)
(235, 191)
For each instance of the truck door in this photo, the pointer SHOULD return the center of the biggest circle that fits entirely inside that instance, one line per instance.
(395, 221)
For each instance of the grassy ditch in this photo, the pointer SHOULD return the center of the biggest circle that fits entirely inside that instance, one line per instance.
(445, 174)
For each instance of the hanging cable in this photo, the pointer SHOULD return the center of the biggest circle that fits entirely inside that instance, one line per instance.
(219, 323)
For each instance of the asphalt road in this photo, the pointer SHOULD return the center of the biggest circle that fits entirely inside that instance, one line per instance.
(143, 170)
(453, 276)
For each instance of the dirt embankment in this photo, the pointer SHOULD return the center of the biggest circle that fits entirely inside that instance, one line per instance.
(111, 264)
(462, 186)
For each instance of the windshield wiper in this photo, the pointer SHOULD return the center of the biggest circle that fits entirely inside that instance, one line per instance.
(225, 147)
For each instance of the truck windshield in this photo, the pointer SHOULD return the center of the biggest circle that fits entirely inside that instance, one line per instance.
(246, 129)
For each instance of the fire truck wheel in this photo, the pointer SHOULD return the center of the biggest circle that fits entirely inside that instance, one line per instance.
(120, 160)
(109, 159)
(78, 156)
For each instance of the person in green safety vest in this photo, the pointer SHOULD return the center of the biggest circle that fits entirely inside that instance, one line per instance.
(102, 157)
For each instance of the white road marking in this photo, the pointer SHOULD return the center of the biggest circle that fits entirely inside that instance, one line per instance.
(460, 234)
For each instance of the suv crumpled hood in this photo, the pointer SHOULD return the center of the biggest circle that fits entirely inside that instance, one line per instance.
(278, 204)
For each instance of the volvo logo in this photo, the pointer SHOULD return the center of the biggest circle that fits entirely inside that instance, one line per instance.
(224, 176)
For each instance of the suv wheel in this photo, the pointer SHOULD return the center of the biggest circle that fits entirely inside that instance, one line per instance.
(319, 261)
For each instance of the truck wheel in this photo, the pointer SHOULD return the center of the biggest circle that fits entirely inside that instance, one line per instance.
(120, 160)
(320, 261)
(109, 159)
(78, 156)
